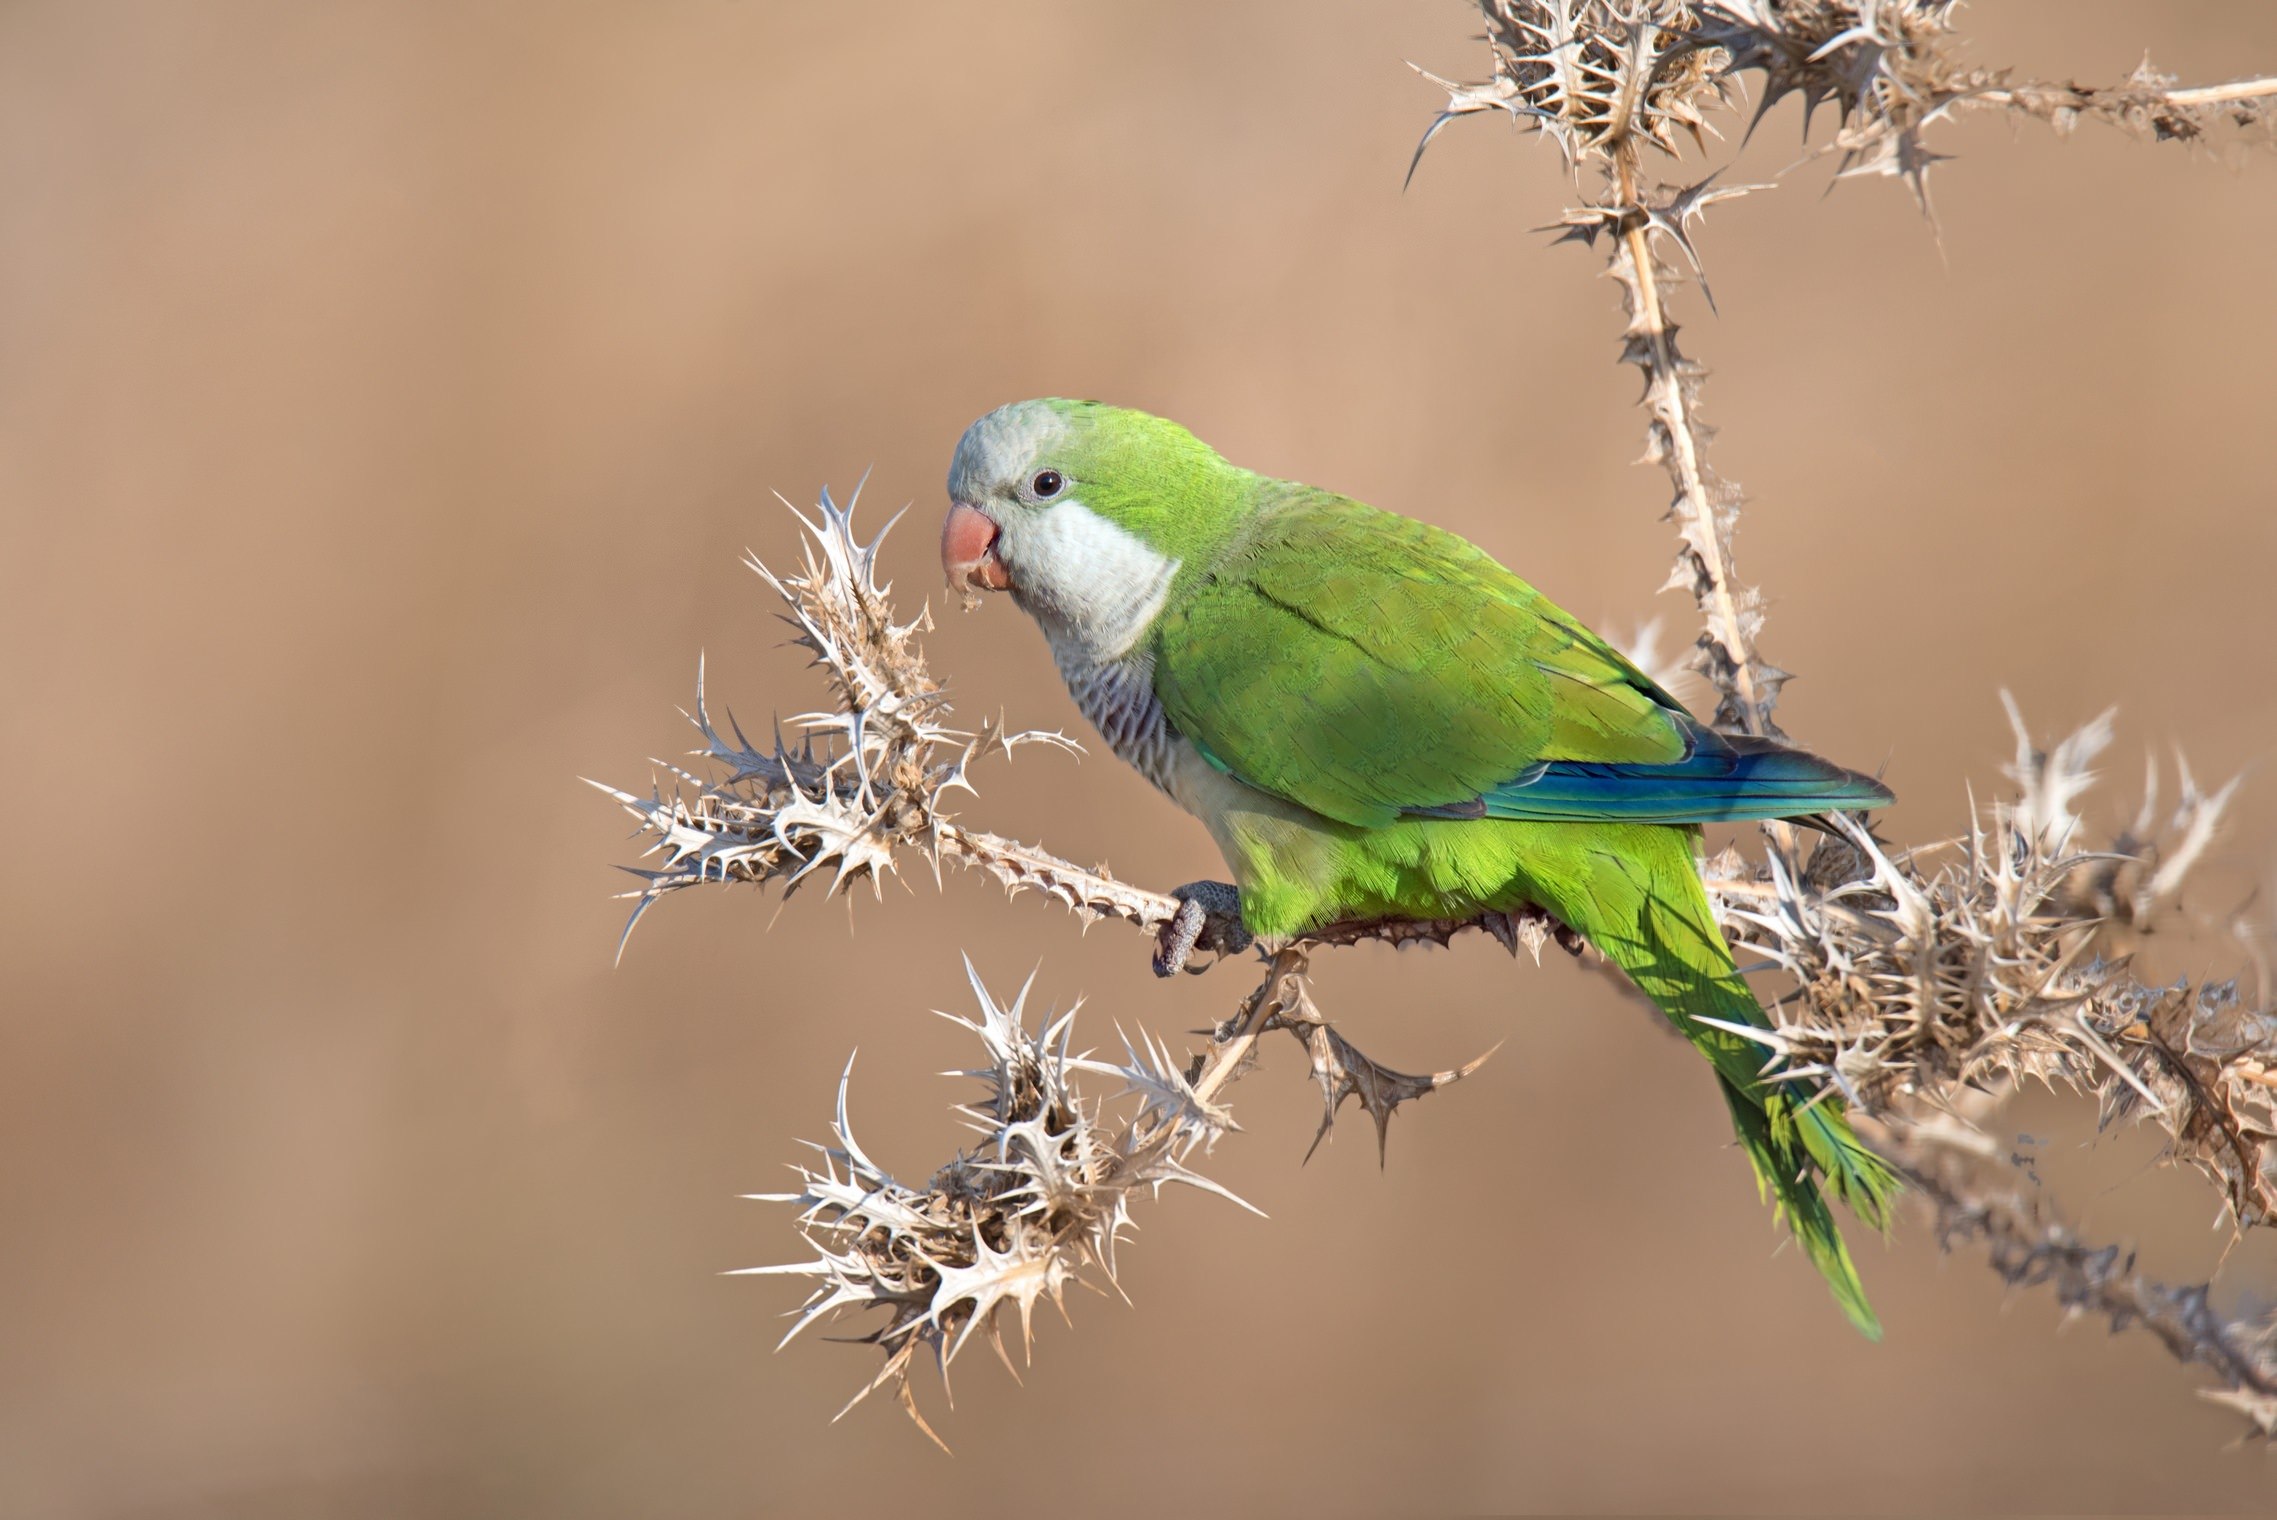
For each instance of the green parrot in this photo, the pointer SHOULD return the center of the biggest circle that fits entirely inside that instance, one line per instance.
(1376, 721)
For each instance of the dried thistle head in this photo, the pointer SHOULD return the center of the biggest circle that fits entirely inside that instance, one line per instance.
(1038, 1203)
(2130, 885)
(865, 780)
(1983, 963)
(1598, 77)
(1602, 78)
(1889, 66)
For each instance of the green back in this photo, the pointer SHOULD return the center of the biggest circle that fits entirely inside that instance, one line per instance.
(1360, 663)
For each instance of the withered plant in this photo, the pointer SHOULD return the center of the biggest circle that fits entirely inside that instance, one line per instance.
(1922, 984)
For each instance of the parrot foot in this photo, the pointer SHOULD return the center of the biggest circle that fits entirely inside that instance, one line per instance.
(1208, 918)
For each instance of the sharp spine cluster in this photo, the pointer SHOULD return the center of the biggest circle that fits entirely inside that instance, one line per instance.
(2004, 956)
(1602, 77)
(1040, 1202)
(864, 781)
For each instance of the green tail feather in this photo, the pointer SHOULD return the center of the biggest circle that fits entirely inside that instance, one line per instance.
(1637, 897)
(1862, 1180)
(1783, 1173)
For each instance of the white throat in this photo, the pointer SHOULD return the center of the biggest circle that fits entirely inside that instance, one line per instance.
(1095, 587)
(1097, 590)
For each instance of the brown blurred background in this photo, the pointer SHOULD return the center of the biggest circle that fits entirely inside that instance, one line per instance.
(386, 394)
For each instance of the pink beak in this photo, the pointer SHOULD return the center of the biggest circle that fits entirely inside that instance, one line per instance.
(968, 550)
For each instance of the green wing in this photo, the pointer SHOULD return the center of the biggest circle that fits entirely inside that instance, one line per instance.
(1365, 665)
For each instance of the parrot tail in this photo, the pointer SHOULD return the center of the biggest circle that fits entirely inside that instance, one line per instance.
(1638, 898)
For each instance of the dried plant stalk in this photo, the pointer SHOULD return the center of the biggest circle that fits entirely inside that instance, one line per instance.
(1608, 80)
(1915, 981)
(1995, 958)
(1043, 1199)
(1916, 976)
(1978, 1198)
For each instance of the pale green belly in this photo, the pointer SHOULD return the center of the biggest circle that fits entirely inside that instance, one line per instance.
(1298, 871)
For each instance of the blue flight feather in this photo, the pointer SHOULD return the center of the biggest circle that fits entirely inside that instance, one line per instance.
(1723, 779)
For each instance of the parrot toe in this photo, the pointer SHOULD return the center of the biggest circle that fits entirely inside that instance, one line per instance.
(1208, 918)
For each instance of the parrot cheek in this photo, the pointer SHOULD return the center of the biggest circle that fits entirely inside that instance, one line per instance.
(968, 550)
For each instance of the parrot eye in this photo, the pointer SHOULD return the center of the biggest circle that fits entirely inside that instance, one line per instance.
(1047, 483)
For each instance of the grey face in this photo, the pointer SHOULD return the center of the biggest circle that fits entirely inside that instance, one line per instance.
(1017, 523)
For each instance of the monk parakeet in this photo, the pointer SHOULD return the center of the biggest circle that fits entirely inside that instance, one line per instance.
(1376, 721)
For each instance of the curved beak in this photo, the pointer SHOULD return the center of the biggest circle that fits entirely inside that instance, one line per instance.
(968, 550)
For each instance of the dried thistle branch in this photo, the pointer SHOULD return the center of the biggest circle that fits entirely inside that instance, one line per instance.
(1918, 978)
(1705, 506)
(1977, 965)
(1339, 1066)
(2004, 956)
(1598, 75)
(1976, 1197)
(1606, 80)
(1895, 67)
(1044, 1198)
(867, 779)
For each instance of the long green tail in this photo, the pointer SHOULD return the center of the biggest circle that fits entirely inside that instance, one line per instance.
(1636, 895)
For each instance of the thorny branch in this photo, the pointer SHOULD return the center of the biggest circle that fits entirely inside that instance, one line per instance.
(1043, 1199)
(2004, 955)
(1973, 1195)
(1916, 980)
(1606, 80)
(1915, 977)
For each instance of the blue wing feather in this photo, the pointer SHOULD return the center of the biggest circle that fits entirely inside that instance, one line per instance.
(1721, 780)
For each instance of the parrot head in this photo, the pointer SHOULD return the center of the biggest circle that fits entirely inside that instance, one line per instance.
(1085, 513)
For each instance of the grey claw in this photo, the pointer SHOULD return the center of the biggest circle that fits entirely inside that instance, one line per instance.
(1208, 918)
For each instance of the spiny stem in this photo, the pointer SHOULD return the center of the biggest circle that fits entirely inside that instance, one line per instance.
(2030, 1244)
(1025, 867)
(1224, 1063)
(2221, 94)
(1718, 605)
(2196, 95)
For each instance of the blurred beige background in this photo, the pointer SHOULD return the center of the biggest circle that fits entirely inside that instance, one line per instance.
(386, 394)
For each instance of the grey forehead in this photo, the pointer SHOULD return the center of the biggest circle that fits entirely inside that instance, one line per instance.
(997, 449)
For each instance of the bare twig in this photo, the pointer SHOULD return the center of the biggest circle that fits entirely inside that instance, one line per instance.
(1606, 82)
(1974, 1197)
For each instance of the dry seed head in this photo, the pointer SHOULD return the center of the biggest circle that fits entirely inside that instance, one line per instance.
(1596, 76)
(866, 779)
(1984, 962)
(1039, 1202)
